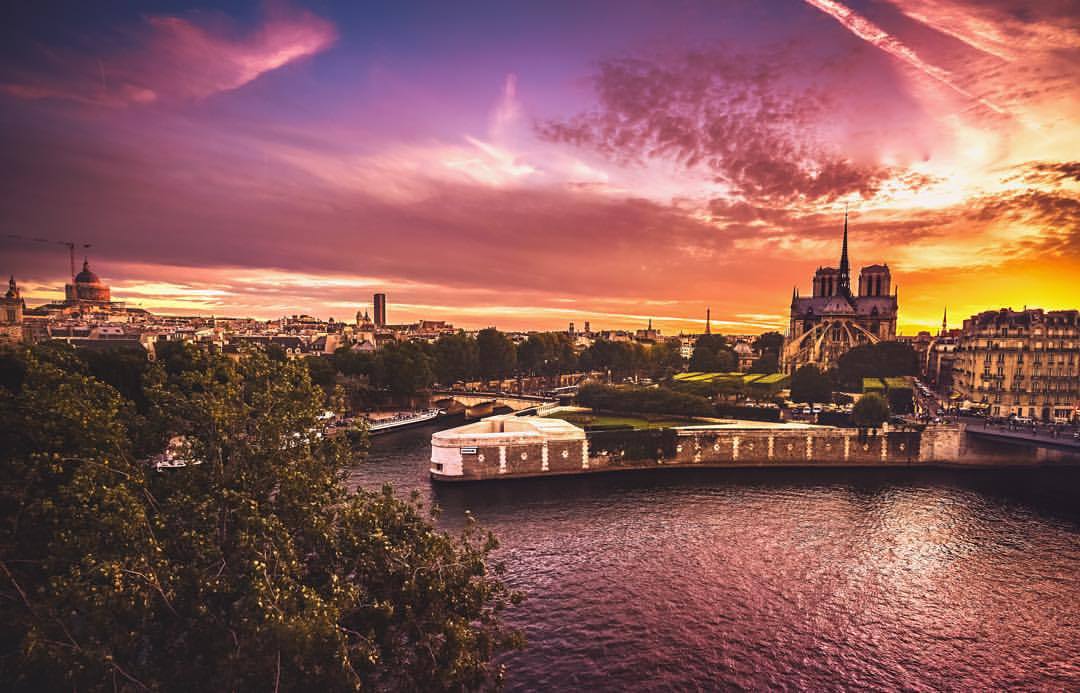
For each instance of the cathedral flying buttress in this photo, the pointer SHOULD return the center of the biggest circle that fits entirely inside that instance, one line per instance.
(834, 319)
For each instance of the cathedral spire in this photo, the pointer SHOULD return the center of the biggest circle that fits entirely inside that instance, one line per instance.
(708, 321)
(845, 269)
(945, 321)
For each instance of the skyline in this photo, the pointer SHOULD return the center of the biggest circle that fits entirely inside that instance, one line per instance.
(536, 165)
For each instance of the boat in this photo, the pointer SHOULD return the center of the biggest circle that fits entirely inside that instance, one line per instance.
(175, 456)
(402, 420)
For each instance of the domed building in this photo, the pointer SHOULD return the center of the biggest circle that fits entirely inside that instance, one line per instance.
(86, 288)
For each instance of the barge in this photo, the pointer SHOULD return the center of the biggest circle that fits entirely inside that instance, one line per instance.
(403, 420)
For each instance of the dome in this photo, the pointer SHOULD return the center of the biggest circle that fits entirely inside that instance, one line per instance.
(86, 276)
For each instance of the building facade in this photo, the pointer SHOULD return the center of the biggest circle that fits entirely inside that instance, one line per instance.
(11, 313)
(835, 319)
(1024, 363)
(380, 310)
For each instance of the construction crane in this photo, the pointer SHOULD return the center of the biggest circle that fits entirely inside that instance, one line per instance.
(71, 246)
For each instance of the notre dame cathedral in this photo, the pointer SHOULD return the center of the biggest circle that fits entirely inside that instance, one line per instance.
(835, 319)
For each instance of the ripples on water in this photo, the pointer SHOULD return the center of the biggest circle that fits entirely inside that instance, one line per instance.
(791, 579)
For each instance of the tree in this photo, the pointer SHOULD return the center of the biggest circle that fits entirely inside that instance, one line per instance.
(810, 385)
(881, 360)
(713, 354)
(497, 354)
(122, 368)
(766, 363)
(665, 359)
(404, 368)
(547, 353)
(353, 363)
(769, 343)
(644, 400)
(255, 569)
(870, 411)
(322, 371)
(456, 358)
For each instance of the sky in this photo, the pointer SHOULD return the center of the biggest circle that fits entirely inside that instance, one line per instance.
(528, 164)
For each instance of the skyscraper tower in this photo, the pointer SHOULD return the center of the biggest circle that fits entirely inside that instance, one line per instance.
(380, 310)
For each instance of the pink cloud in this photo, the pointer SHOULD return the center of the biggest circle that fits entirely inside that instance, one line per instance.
(175, 59)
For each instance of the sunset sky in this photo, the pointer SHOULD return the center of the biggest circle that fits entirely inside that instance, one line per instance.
(529, 164)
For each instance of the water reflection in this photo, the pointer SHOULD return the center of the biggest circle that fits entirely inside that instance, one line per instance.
(821, 579)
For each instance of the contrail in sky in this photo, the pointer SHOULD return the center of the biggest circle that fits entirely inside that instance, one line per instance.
(875, 35)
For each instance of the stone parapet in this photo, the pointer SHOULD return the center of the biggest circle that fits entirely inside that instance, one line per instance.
(502, 447)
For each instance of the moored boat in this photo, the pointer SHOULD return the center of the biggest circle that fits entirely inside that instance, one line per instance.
(401, 420)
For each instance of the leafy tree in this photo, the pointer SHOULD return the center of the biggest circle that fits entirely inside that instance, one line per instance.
(769, 343)
(457, 358)
(12, 367)
(766, 363)
(643, 400)
(665, 359)
(713, 354)
(497, 354)
(322, 371)
(353, 363)
(257, 569)
(810, 385)
(547, 353)
(870, 411)
(897, 358)
(121, 368)
(404, 368)
(881, 360)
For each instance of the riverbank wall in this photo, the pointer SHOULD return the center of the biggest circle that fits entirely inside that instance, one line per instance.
(508, 447)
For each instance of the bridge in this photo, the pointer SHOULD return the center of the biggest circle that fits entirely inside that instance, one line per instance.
(477, 405)
(1037, 436)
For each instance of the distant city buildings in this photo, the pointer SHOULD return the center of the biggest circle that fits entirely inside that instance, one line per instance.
(824, 326)
(1024, 363)
(1021, 363)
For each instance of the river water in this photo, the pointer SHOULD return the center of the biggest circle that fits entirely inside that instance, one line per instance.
(793, 579)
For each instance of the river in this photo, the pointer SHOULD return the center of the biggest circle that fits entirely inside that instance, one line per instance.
(794, 579)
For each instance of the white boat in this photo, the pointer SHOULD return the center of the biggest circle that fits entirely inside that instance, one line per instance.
(384, 425)
(175, 456)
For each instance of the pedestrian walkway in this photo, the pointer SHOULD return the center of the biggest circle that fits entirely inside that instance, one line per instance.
(1023, 434)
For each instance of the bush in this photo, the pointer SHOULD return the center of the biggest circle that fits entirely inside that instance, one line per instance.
(870, 411)
(641, 400)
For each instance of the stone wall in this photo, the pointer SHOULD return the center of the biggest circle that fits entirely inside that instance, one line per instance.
(721, 447)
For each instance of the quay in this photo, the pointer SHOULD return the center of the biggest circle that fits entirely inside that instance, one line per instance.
(530, 446)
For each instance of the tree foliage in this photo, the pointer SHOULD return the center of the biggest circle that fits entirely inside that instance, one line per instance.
(497, 354)
(404, 368)
(881, 360)
(255, 570)
(713, 354)
(766, 363)
(810, 385)
(457, 358)
(870, 411)
(547, 353)
(643, 400)
(623, 359)
(769, 343)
